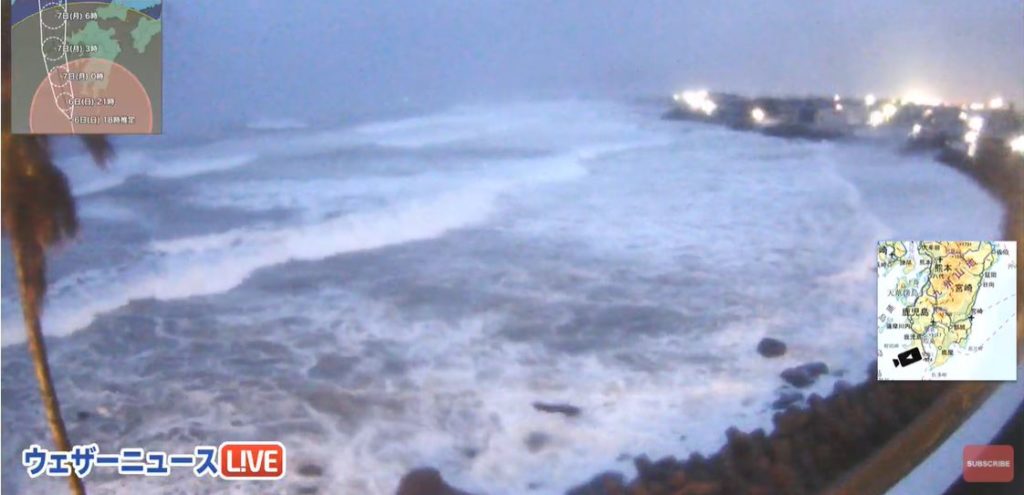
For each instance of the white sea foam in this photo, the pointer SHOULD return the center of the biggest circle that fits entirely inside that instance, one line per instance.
(625, 266)
(218, 262)
(87, 179)
(213, 263)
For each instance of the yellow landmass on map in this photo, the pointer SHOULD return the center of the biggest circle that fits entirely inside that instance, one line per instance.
(946, 304)
(894, 253)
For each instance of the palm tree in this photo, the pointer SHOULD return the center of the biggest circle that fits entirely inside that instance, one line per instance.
(38, 211)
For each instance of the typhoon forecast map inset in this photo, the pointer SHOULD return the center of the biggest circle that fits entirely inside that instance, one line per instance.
(87, 66)
(947, 310)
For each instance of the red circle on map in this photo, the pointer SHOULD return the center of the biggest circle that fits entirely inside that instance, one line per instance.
(91, 96)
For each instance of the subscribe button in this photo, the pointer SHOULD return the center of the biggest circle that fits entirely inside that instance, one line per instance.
(988, 463)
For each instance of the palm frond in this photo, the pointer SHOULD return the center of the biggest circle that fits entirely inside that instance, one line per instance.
(37, 210)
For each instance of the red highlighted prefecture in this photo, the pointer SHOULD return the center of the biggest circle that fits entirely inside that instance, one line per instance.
(988, 463)
(252, 460)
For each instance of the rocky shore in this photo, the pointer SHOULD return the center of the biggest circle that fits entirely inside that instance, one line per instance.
(860, 439)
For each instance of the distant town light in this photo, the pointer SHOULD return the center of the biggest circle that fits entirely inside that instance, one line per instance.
(889, 111)
(916, 130)
(836, 98)
(697, 100)
(1017, 144)
(708, 107)
(977, 106)
(839, 107)
(996, 103)
(963, 116)
(971, 138)
(870, 100)
(758, 115)
(876, 118)
(928, 113)
(975, 123)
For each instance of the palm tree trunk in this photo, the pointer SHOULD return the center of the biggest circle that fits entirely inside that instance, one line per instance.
(30, 263)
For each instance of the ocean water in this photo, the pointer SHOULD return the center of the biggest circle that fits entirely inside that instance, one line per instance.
(397, 294)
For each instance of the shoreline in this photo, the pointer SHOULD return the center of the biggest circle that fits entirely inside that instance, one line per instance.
(858, 439)
(828, 447)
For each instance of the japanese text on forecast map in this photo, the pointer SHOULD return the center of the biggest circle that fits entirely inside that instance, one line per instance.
(86, 67)
(947, 310)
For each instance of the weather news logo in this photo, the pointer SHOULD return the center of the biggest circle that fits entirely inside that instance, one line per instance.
(229, 461)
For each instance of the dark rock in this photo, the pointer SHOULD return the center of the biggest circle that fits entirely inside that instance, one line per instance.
(787, 398)
(817, 367)
(703, 488)
(602, 484)
(567, 409)
(769, 347)
(536, 441)
(332, 366)
(425, 481)
(311, 470)
(805, 374)
(83, 415)
(797, 377)
(644, 466)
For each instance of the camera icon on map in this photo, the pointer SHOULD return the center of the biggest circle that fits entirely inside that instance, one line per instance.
(907, 358)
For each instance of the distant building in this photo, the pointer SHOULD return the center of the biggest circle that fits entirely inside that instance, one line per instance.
(1002, 124)
(831, 120)
(940, 125)
(733, 110)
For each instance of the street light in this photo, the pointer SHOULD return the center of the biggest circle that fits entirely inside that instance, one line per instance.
(758, 115)
(1017, 144)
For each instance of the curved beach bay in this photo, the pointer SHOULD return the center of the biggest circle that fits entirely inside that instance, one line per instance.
(400, 294)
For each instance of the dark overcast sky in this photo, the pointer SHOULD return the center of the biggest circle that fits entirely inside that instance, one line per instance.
(251, 58)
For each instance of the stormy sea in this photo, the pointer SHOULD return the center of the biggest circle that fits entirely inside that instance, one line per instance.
(402, 292)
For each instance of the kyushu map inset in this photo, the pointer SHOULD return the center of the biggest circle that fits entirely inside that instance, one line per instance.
(947, 310)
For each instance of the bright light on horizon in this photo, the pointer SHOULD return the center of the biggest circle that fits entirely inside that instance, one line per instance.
(976, 123)
(870, 100)
(698, 101)
(1017, 144)
(971, 138)
(916, 130)
(919, 97)
(889, 111)
(876, 118)
(977, 106)
(996, 103)
(708, 107)
(758, 115)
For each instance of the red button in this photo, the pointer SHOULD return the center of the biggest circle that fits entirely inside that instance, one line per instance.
(988, 463)
(252, 460)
